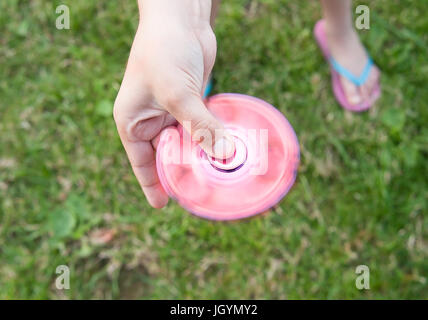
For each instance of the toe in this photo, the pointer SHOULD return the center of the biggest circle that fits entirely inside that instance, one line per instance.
(373, 77)
(370, 86)
(365, 90)
(351, 91)
(373, 80)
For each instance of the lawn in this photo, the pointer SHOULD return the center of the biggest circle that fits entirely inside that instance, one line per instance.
(68, 195)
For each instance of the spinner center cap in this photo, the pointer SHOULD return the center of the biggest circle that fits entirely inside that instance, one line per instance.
(234, 162)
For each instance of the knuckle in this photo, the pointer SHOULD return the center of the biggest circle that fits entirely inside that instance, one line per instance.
(201, 124)
(211, 38)
(117, 107)
(115, 113)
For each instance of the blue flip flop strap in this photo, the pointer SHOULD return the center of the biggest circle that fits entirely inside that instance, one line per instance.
(358, 81)
(208, 88)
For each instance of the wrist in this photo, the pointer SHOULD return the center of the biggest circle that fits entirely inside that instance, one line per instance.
(189, 12)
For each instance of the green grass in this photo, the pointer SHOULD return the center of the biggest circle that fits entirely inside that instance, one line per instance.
(360, 195)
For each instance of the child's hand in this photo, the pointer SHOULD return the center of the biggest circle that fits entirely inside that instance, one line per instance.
(171, 58)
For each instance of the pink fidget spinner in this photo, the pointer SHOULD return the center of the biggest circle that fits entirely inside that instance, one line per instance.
(254, 179)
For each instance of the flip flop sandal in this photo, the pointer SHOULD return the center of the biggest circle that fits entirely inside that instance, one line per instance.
(338, 70)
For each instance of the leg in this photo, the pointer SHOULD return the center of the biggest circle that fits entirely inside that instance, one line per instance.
(214, 10)
(346, 48)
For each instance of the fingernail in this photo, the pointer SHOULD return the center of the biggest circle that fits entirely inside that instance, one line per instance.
(224, 148)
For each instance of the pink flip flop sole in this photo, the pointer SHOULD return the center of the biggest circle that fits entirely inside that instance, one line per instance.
(338, 91)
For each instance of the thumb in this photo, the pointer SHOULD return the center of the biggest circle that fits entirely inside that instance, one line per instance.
(203, 127)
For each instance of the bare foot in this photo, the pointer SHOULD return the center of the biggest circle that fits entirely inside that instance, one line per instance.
(346, 48)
